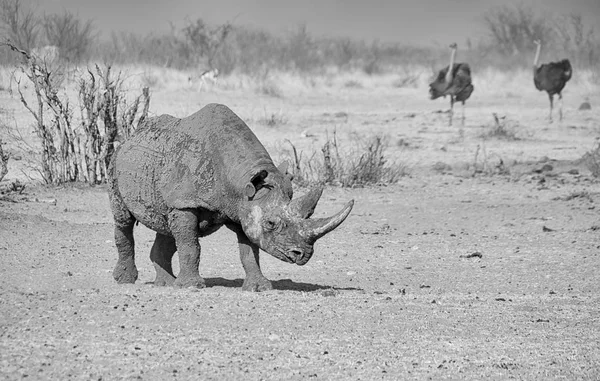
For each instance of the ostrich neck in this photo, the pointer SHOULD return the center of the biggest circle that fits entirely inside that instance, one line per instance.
(536, 60)
(449, 73)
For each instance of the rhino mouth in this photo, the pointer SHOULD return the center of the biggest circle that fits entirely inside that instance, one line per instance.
(299, 256)
(433, 94)
(295, 255)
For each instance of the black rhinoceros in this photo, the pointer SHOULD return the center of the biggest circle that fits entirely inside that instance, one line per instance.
(185, 178)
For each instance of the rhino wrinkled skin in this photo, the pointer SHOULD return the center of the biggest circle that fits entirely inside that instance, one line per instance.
(185, 178)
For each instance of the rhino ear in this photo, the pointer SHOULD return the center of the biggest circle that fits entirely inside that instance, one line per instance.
(256, 182)
(249, 190)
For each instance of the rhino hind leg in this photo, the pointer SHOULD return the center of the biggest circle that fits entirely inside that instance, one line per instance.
(125, 270)
(161, 255)
(183, 224)
(249, 255)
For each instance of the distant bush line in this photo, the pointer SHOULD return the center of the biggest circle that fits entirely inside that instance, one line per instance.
(242, 49)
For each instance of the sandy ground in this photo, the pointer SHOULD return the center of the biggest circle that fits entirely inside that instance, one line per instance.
(449, 274)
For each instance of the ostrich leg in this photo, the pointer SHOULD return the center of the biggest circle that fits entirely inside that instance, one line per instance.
(560, 107)
(551, 106)
(451, 110)
(463, 114)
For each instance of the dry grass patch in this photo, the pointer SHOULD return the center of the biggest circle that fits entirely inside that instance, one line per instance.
(357, 163)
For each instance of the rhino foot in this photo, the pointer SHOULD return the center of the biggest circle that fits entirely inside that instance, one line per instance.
(257, 284)
(163, 278)
(125, 272)
(189, 282)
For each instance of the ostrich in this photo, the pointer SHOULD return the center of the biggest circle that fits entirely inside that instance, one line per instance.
(551, 78)
(455, 82)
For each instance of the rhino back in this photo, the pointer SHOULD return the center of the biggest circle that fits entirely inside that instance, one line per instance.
(214, 155)
(201, 161)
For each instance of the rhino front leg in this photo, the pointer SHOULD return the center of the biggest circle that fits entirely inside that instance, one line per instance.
(249, 254)
(183, 224)
(125, 270)
(161, 255)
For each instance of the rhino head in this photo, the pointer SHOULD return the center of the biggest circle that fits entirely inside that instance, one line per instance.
(280, 225)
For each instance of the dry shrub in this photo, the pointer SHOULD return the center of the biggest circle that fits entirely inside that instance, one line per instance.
(353, 84)
(274, 119)
(502, 129)
(3, 161)
(78, 150)
(592, 159)
(488, 163)
(269, 88)
(363, 164)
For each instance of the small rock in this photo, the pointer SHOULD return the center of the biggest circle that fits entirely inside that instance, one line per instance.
(585, 106)
(273, 337)
(476, 254)
(441, 167)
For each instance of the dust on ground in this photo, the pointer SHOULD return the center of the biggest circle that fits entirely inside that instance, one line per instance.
(483, 262)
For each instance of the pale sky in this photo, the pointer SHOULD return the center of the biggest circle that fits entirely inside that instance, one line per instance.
(405, 21)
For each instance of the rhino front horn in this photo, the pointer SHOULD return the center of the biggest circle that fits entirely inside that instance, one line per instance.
(317, 228)
(304, 206)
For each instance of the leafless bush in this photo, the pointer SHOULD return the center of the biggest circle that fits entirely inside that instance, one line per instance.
(502, 129)
(107, 117)
(364, 164)
(407, 79)
(578, 40)
(353, 84)
(592, 159)
(274, 119)
(19, 25)
(205, 41)
(489, 164)
(3, 161)
(71, 151)
(61, 154)
(70, 34)
(269, 88)
(513, 29)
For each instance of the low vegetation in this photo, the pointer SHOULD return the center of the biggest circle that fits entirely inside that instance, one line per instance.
(355, 163)
(77, 149)
(502, 129)
(592, 159)
(242, 49)
(3, 161)
(76, 136)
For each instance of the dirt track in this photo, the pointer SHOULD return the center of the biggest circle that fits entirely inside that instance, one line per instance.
(442, 276)
(392, 293)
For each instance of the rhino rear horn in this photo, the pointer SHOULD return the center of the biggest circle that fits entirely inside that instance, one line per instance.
(314, 229)
(304, 206)
(283, 167)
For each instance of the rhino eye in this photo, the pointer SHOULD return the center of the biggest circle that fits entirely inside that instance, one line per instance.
(270, 225)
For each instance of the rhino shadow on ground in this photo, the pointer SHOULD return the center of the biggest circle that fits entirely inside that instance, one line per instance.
(281, 284)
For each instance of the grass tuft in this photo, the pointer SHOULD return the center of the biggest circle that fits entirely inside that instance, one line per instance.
(362, 163)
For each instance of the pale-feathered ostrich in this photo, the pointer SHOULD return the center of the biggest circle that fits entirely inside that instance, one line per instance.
(551, 78)
(455, 82)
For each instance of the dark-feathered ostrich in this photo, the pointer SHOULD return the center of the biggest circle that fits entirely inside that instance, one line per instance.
(551, 78)
(455, 82)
